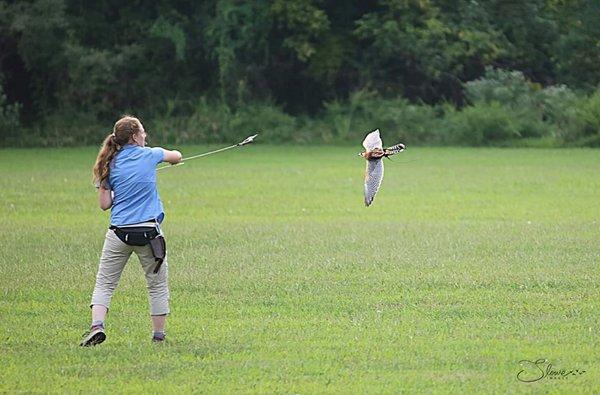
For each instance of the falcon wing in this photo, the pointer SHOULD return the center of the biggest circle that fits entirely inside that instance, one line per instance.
(394, 149)
(372, 141)
(373, 178)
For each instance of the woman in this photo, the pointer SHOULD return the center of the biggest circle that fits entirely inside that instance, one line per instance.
(125, 175)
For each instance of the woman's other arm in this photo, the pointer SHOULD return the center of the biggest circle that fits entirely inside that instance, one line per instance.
(104, 198)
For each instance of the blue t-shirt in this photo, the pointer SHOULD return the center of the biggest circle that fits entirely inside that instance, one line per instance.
(132, 178)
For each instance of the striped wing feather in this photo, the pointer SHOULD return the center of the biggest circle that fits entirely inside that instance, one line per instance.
(394, 149)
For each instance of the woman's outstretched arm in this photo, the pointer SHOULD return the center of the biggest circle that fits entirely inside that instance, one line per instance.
(173, 157)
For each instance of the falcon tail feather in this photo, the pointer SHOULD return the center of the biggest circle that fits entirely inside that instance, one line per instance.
(394, 149)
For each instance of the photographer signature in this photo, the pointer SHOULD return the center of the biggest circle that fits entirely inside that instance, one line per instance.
(536, 370)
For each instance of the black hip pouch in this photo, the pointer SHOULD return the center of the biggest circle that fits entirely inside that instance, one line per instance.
(141, 236)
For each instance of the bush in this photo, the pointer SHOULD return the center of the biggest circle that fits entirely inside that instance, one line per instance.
(574, 119)
(480, 124)
(399, 119)
(590, 119)
(345, 119)
(509, 88)
(505, 109)
(271, 122)
(67, 128)
(562, 111)
(206, 122)
(218, 123)
(524, 100)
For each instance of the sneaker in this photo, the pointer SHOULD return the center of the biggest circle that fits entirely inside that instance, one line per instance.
(158, 339)
(95, 336)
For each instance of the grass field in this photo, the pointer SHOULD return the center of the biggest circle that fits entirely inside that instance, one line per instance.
(469, 261)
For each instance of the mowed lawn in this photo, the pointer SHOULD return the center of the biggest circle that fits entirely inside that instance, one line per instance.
(469, 261)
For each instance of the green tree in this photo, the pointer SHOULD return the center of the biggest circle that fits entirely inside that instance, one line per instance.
(237, 35)
(577, 52)
(38, 30)
(423, 49)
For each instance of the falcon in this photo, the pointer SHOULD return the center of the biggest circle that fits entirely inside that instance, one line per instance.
(374, 154)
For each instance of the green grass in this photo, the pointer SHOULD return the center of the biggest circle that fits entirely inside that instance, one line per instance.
(469, 261)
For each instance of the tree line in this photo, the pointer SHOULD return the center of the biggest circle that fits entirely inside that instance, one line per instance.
(68, 66)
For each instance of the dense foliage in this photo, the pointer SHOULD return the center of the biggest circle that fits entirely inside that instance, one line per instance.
(301, 69)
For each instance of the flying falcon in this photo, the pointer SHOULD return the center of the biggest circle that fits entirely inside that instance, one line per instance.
(374, 153)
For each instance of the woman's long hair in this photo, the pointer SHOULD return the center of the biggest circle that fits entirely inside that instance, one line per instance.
(122, 131)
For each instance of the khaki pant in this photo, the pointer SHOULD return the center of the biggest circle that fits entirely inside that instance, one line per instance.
(115, 254)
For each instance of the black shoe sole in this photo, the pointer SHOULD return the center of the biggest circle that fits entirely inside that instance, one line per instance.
(96, 339)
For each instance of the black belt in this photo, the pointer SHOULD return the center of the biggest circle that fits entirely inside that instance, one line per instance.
(141, 236)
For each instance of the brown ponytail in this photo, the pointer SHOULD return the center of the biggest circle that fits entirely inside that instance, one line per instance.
(124, 128)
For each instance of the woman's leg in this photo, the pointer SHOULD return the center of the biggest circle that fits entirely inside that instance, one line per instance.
(158, 289)
(98, 313)
(158, 322)
(115, 254)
